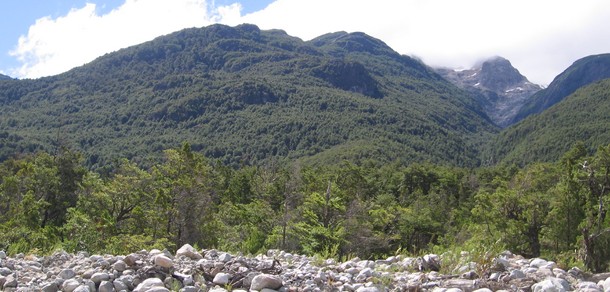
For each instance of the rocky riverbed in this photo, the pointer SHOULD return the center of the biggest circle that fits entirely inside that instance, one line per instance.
(190, 270)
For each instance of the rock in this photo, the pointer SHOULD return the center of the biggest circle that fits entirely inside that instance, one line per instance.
(105, 286)
(119, 285)
(188, 251)
(191, 289)
(67, 274)
(367, 289)
(537, 263)
(82, 288)
(430, 262)
(551, 285)
(70, 285)
(119, 266)
(149, 284)
(517, 274)
(4, 271)
(266, 281)
(221, 279)
(163, 261)
(50, 287)
(130, 260)
(224, 257)
(97, 278)
(158, 289)
(11, 281)
(2, 255)
(482, 290)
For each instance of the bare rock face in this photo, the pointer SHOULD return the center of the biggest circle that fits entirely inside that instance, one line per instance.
(498, 86)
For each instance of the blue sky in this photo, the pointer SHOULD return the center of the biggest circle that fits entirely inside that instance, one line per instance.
(541, 38)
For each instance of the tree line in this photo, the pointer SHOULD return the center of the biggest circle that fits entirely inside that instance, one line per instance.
(371, 210)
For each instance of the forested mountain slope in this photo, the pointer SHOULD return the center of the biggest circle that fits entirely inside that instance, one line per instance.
(581, 116)
(244, 95)
(583, 72)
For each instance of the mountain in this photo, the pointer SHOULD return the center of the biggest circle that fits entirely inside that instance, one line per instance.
(500, 88)
(579, 74)
(4, 77)
(243, 95)
(581, 116)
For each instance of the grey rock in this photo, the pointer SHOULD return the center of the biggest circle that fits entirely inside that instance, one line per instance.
(221, 279)
(83, 288)
(11, 281)
(50, 287)
(367, 289)
(266, 281)
(158, 289)
(4, 271)
(97, 278)
(517, 274)
(148, 284)
(188, 251)
(224, 257)
(2, 281)
(106, 286)
(119, 285)
(67, 274)
(191, 289)
(551, 285)
(2, 255)
(70, 285)
(130, 259)
(163, 261)
(119, 266)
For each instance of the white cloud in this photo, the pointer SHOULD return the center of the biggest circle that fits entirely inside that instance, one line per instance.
(56, 45)
(541, 38)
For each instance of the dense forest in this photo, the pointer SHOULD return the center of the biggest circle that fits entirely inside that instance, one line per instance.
(557, 210)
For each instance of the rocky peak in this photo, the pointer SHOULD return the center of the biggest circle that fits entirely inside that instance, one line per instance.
(498, 86)
(499, 74)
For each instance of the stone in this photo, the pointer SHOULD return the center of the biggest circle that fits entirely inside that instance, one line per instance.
(551, 285)
(50, 287)
(367, 289)
(119, 285)
(119, 266)
(130, 259)
(517, 274)
(67, 274)
(266, 281)
(4, 271)
(82, 288)
(221, 279)
(105, 286)
(163, 261)
(191, 289)
(224, 257)
(482, 290)
(69, 285)
(11, 281)
(2, 255)
(97, 278)
(537, 263)
(148, 284)
(218, 289)
(188, 251)
(158, 289)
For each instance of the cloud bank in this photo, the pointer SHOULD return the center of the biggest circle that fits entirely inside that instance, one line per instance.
(541, 38)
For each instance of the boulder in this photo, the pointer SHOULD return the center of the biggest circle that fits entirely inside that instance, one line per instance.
(148, 284)
(266, 281)
(188, 251)
(551, 285)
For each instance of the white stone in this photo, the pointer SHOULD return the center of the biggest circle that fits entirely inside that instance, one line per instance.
(163, 261)
(537, 263)
(70, 285)
(221, 279)
(266, 281)
(224, 257)
(482, 290)
(105, 286)
(188, 251)
(148, 284)
(99, 277)
(551, 285)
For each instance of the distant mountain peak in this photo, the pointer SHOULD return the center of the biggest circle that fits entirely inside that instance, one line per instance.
(500, 87)
(4, 77)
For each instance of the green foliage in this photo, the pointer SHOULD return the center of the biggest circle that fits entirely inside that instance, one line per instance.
(246, 97)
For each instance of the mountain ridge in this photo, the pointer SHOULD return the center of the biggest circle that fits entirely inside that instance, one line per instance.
(245, 95)
(582, 72)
